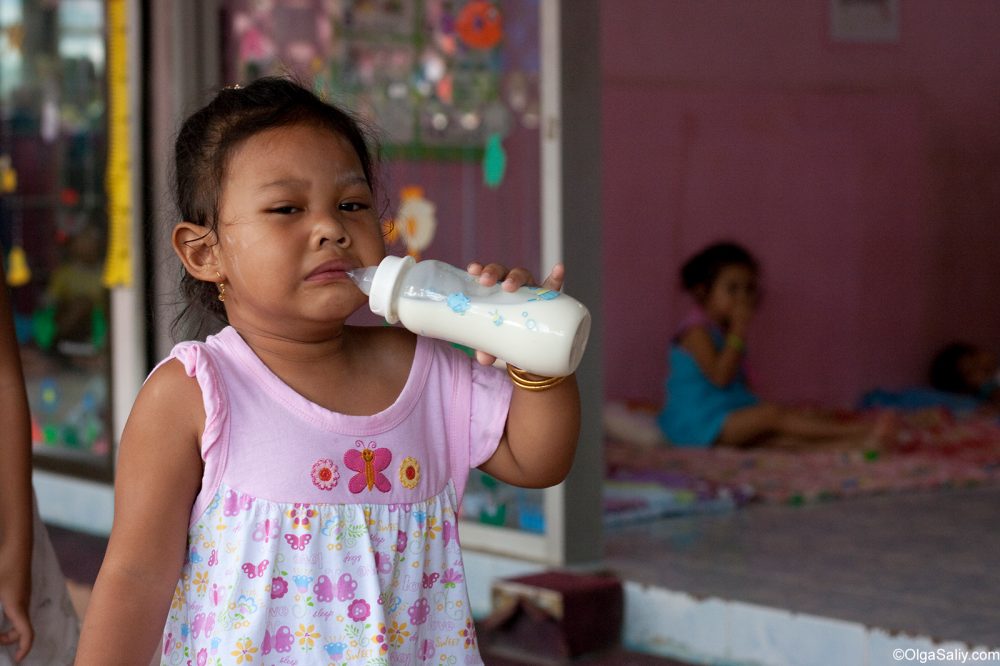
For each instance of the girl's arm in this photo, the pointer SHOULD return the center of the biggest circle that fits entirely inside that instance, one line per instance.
(16, 519)
(720, 366)
(543, 427)
(156, 481)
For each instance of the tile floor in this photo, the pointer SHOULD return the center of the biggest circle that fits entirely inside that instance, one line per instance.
(924, 564)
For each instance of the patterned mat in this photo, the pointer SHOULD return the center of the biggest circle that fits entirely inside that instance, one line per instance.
(933, 449)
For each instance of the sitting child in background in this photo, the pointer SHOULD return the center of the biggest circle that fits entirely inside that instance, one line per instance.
(708, 398)
(968, 370)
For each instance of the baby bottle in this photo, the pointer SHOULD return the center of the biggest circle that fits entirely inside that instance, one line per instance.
(538, 330)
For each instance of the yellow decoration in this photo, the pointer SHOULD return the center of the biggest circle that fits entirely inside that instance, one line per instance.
(15, 37)
(8, 176)
(118, 266)
(416, 220)
(409, 472)
(18, 273)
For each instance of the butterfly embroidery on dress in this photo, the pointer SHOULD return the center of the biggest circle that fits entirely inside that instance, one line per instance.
(449, 532)
(235, 502)
(298, 542)
(346, 585)
(265, 531)
(429, 580)
(255, 572)
(368, 461)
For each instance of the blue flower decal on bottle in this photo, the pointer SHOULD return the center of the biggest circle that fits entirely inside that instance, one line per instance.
(542, 294)
(459, 303)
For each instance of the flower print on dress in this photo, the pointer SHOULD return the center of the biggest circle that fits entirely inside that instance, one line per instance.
(409, 472)
(325, 474)
(419, 612)
(279, 587)
(469, 634)
(201, 583)
(368, 461)
(380, 639)
(245, 650)
(359, 610)
(307, 636)
(397, 634)
(451, 578)
(432, 528)
(300, 514)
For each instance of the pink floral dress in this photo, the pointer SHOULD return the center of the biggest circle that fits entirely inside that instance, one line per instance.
(324, 538)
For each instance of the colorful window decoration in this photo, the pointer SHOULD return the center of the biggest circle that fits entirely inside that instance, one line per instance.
(54, 228)
(439, 78)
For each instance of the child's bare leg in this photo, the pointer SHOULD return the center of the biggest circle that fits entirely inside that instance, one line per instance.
(753, 424)
(750, 424)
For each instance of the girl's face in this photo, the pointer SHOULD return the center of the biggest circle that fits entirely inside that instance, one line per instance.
(978, 369)
(295, 214)
(735, 287)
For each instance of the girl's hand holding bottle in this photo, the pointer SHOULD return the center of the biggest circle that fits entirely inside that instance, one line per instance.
(511, 280)
(535, 329)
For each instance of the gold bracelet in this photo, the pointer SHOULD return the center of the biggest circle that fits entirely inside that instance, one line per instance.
(518, 376)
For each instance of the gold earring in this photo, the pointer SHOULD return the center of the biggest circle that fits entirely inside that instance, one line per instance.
(222, 289)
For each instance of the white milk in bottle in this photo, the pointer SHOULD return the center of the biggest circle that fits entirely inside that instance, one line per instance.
(541, 331)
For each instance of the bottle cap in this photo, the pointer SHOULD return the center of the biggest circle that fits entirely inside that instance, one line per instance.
(383, 290)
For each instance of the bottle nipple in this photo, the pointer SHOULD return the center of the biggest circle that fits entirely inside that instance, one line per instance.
(363, 278)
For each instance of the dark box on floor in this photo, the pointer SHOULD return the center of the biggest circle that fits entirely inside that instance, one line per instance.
(556, 615)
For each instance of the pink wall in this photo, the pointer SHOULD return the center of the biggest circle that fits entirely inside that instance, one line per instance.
(865, 177)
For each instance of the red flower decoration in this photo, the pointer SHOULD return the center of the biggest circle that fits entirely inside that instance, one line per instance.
(325, 474)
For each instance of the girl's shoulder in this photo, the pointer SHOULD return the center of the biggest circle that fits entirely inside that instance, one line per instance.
(695, 320)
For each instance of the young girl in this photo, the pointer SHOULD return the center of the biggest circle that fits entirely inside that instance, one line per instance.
(708, 399)
(38, 625)
(287, 491)
(965, 369)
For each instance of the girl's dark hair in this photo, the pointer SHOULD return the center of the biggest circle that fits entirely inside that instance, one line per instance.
(206, 143)
(700, 271)
(946, 368)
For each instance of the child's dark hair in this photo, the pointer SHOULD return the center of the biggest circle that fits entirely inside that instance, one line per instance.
(700, 271)
(207, 141)
(946, 368)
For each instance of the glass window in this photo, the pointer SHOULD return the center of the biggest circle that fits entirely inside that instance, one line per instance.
(53, 226)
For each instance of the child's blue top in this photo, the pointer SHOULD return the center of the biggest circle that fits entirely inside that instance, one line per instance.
(696, 408)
